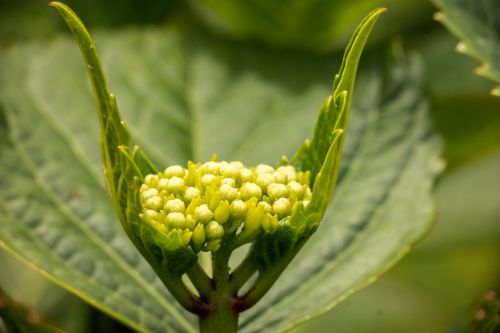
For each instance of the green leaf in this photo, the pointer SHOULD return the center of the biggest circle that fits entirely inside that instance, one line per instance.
(19, 319)
(380, 209)
(186, 96)
(477, 25)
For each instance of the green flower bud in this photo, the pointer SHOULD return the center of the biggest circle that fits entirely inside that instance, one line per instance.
(250, 190)
(198, 236)
(186, 237)
(175, 185)
(202, 214)
(174, 205)
(222, 212)
(276, 191)
(281, 207)
(232, 171)
(213, 245)
(175, 220)
(214, 230)
(238, 209)
(174, 171)
(228, 181)
(190, 222)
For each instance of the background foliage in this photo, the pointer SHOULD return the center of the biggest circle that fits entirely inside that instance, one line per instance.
(435, 286)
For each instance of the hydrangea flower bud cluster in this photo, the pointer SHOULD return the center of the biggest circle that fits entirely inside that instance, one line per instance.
(207, 201)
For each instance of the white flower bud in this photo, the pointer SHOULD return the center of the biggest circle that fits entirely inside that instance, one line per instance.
(150, 180)
(264, 168)
(289, 171)
(238, 209)
(175, 185)
(174, 171)
(175, 220)
(227, 192)
(250, 190)
(151, 215)
(152, 192)
(276, 191)
(246, 175)
(266, 207)
(208, 179)
(296, 189)
(162, 184)
(264, 180)
(174, 205)
(203, 214)
(191, 193)
(281, 207)
(280, 177)
(210, 167)
(228, 181)
(214, 230)
(154, 203)
(231, 171)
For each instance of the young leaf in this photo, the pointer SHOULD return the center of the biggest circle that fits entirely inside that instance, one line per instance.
(477, 25)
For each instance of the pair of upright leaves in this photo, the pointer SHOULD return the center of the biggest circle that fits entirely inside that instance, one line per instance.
(177, 90)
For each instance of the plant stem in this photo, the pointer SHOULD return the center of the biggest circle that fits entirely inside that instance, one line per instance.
(222, 316)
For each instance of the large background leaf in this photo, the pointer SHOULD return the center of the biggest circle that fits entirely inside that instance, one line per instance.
(186, 97)
(477, 24)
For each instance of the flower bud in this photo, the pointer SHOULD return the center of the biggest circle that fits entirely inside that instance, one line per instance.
(221, 213)
(238, 209)
(191, 193)
(296, 189)
(175, 220)
(246, 175)
(190, 222)
(186, 237)
(174, 171)
(175, 185)
(213, 245)
(214, 230)
(281, 207)
(250, 190)
(227, 192)
(149, 193)
(208, 179)
(276, 191)
(174, 205)
(154, 203)
(266, 207)
(198, 236)
(150, 180)
(210, 167)
(264, 168)
(202, 214)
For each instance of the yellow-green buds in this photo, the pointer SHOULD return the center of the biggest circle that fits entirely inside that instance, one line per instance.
(207, 201)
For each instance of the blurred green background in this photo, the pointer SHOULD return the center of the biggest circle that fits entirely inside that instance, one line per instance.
(434, 288)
